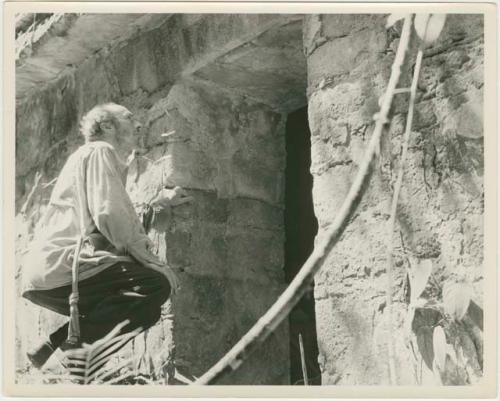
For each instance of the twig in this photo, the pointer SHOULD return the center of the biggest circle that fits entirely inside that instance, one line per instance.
(48, 184)
(302, 281)
(392, 219)
(303, 361)
(31, 195)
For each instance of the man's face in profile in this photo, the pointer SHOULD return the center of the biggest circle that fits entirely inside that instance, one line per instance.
(128, 130)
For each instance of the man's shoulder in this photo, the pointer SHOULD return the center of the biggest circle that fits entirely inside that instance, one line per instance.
(96, 148)
(102, 153)
(99, 145)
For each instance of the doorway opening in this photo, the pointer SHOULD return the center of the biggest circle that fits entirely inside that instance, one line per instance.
(301, 226)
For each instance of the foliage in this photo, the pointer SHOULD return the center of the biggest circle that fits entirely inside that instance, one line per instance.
(90, 363)
(446, 332)
(430, 324)
(456, 299)
(97, 364)
(429, 26)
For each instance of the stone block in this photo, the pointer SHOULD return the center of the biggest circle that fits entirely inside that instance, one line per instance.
(215, 150)
(134, 65)
(345, 55)
(460, 26)
(250, 213)
(189, 168)
(255, 255)
(340, 25)
(216, 313)
(208, 250)
(179, 248)
(209, 208)
(467, 119)
(95, 83)
(208, 35)
(220, 251)
(424, 115)
(339, 112)
(256, 181)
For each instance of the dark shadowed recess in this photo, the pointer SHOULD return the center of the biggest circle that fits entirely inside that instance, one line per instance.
(301, 227)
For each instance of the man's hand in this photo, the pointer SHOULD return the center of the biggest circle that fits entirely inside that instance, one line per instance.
(132, 157)
(170, 197)
(168, 273)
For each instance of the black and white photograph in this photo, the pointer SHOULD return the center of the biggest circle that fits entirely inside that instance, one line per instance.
(302, 200)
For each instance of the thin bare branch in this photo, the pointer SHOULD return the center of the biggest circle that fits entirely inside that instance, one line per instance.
(392, 219)
(303, 361)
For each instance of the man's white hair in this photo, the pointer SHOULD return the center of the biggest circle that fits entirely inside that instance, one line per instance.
(90, 124)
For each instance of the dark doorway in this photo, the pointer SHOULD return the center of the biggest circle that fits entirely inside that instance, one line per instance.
(301, 227)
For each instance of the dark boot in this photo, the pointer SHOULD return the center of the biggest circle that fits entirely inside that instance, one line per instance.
(39, 355)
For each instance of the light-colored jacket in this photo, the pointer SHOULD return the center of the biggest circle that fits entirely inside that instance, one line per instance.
(90, 190)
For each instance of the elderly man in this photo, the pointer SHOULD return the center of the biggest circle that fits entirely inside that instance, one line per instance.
(119, 276)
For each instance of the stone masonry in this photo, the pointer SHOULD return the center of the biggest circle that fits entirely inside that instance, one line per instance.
(214, 92)
(224, 148)
(440, 211)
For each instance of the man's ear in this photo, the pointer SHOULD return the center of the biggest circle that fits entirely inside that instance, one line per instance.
(107, 126)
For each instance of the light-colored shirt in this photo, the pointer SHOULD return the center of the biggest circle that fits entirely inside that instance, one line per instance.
(90, 194)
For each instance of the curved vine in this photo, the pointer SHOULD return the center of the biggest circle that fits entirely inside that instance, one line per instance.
(300, 284)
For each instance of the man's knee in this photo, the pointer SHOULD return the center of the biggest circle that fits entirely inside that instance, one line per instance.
(55, 300)
(156, 299)
(164, 289)
(152, 283)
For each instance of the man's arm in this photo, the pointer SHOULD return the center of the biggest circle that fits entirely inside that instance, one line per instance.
(164, 200)
(113, 212)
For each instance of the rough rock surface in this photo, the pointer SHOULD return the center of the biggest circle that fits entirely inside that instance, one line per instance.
(226, 148)
(441, 203)
(227, 245)
(139, 70)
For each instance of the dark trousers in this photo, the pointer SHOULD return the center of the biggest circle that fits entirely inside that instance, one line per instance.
(122, 291)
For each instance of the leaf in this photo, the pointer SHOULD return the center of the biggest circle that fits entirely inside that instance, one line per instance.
(393, 18)
(420, 23)
(425, 317)
(451, 352)
(420, 303)
(429, 26)
(456, 299)
(408, 324)
(475, 312)
(425, 344)
(89, 364)
(439, 347)
(437, 375)
(182, 378)
(419, 274)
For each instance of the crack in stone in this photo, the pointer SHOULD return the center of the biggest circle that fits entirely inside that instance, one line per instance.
(330, 164)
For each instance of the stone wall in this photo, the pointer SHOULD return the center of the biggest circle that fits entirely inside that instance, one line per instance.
(440, 210)
(225, 151)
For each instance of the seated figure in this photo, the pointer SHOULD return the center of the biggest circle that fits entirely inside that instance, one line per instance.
(119, 277)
